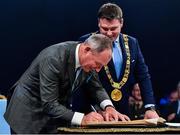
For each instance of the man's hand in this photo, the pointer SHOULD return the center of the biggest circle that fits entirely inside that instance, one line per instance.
(91, 117)
(110, 114)
(150, 114)
(171, 116)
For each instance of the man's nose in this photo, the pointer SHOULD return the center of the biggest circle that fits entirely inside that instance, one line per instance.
(109, 33)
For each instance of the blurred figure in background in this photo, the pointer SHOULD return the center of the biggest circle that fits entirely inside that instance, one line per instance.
(174, 108)
(173, 96)
(136, 107)
(2, 97)
(166, 101)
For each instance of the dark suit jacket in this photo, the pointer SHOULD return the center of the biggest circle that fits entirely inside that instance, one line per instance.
(44, 89)
(138, 73)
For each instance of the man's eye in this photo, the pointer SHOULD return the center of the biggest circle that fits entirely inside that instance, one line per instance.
(113, 29)
(105, 29)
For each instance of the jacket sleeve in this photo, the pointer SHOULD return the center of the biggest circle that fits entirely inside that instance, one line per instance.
(50, 74)
(143, 77)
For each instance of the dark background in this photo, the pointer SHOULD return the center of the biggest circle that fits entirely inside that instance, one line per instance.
(28, 26)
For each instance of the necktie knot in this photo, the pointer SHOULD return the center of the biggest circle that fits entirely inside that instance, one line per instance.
(114, 44)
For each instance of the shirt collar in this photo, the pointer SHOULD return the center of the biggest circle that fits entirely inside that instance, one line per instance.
(117, 39)
(77, 64)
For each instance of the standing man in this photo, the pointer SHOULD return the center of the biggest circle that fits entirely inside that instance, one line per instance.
(127, 66)
(41, 100)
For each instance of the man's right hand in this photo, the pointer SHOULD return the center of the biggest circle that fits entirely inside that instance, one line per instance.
(110, 114)
(92, 117)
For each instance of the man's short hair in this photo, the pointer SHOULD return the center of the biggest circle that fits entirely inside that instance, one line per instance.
(110, 11)
(99, 42)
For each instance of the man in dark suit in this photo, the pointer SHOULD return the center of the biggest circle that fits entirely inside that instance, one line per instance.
(41, 100)
(127, 66)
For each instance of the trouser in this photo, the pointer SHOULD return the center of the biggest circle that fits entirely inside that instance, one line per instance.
(49, 128)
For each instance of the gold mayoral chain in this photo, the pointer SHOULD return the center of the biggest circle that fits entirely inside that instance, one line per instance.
(116, 94)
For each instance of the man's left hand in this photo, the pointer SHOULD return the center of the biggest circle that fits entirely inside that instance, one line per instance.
(110, 114)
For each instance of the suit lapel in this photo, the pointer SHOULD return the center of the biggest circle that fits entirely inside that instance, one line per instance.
(121, 41)
(112, 70)
(71, 70)
(79, 80)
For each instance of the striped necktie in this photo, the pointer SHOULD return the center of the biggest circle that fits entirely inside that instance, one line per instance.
(77, 78)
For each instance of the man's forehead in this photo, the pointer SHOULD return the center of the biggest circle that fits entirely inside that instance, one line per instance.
(109, 24)
(103, 56)
(104, 20)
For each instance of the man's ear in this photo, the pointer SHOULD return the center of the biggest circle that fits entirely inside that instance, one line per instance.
(122, 22)
(87, 48)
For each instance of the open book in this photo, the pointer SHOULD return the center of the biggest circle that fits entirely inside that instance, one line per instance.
(142, 122)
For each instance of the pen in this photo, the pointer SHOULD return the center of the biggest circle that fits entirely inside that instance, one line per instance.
(92, 107)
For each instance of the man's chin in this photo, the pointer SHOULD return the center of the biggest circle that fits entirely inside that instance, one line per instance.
(86, 70)
(89, 70)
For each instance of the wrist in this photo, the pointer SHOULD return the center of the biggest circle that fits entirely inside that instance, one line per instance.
(108, 107)
(151, 108)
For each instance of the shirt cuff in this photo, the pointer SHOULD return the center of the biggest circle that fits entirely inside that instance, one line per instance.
(77, 118)
(105, 103)
(149, 105)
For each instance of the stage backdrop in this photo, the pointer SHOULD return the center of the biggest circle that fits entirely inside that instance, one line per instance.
(28, 26)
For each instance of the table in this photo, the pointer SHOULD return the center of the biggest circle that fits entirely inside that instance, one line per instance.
(119, 130)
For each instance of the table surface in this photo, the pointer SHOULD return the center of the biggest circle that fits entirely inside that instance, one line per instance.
(119, 130)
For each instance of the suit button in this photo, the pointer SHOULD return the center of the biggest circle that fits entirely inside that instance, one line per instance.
(70, 105)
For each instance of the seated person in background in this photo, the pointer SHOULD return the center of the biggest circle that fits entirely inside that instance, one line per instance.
(2, 97)
(173, 96)
(165, 103)
(136, 106)
(174, 108)
(41, 99)
(4, 127)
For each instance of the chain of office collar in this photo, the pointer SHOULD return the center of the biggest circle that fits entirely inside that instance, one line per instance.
(119, 85)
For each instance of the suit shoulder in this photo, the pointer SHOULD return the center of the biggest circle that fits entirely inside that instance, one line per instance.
(131, 37)
(58, 49)
(133, 42)
(84, 37)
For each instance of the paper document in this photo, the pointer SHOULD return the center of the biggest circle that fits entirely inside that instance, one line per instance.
(145, 122)
(173, 124)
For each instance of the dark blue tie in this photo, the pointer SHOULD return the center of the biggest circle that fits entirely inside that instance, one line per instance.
(117, 58)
